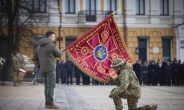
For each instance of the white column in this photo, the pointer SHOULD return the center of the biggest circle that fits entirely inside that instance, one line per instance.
(177, 37)
(63, 6)
(77, 6)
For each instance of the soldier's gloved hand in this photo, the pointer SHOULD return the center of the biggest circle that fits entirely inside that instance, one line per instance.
(110, 96)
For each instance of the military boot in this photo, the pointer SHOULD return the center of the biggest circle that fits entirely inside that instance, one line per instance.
(147, 107)
(52, 106)
(150, 107)
(15, 85)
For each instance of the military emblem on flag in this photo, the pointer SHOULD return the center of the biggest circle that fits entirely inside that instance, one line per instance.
(95, 51)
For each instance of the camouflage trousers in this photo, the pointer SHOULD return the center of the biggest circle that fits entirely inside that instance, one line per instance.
(18, 80)
(15, 78)
(131, 101)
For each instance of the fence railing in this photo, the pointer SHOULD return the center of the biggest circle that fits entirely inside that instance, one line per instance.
(92, 15)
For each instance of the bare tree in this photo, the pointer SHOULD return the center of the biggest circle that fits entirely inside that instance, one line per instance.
(19, 17)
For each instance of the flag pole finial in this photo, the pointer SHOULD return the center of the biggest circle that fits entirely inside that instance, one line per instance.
(116, 11)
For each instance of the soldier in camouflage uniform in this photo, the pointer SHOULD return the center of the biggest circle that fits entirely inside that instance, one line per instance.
(21, 65)
(127, 87)
(15, 65)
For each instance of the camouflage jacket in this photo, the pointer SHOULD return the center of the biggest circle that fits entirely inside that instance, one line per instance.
(15, 63)
(21, 60)
(127, 81)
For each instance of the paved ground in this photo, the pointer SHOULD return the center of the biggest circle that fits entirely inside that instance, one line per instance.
(74, 97)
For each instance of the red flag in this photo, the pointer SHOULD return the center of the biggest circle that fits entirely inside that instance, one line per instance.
(95, 51)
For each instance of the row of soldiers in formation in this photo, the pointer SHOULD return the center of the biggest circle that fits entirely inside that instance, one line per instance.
(66, 71)
(149, 73)
(162, 72)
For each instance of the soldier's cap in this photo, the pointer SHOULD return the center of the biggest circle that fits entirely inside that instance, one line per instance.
(118, 62)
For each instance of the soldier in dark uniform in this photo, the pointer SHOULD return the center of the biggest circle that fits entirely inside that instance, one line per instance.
(127, 87)
(137, 69)
(164, 63)
(63, 74)
(182, 74)
(168, 73)
(152, 73)
(160, 73)
(84, 79)
(57, 71)
(69, 69)
(179, 74)
(176, 73)
(145, 73)
(77, 74)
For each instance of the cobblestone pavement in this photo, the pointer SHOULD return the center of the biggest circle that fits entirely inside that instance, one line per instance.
(80, 97)
(167, 98)
(25, 91)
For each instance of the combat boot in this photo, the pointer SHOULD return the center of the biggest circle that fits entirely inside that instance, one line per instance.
(52, 106)
(15, 85)
(150, 107)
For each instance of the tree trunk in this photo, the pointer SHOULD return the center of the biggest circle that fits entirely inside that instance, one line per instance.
(10, 48)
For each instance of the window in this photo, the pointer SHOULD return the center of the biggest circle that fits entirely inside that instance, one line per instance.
(37, 6)
(166, 47)
(91, 7)
(69, 6)
(140, 7)
(112, 5)
(90, 10)
(164, 7)
(2, 5)
(142, 46)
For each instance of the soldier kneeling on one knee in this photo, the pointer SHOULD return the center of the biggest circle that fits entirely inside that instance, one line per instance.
(127, 87)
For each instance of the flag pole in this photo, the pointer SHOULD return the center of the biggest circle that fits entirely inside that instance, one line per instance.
(116, 11)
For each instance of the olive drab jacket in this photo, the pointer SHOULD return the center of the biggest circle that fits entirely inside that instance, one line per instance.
(21, 60)
(127, 81)
(45, 55)
(15, 63)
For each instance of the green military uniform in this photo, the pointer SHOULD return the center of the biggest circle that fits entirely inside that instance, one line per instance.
(21, 65)
(127, 87)
(15, 65)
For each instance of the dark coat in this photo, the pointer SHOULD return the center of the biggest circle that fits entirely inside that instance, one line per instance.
(69, 67)
(62, 70)
(152, 70)
(168, 71)
(176, 69)
(137, 70)
(182, 70)
(160, 73)
(45, 55)
(77, 71)
(145, 73)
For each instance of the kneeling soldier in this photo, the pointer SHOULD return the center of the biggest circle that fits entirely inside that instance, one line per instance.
(127, 87)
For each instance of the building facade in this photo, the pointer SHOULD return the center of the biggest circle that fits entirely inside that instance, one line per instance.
(150, 28)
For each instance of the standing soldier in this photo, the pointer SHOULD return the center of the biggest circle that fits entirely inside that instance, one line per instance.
(127, 87)
(63, 74)
(77, 74)
(21, 65)
(137, 69)
(15, 65)
(69, 69)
